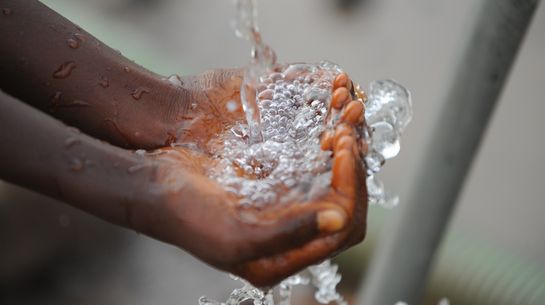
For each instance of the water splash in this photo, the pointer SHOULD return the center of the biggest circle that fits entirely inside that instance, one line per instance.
(324, 277)
(294, 107)
(388, 112)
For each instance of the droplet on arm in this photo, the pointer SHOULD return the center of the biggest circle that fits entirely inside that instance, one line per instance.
(72, 43)
(138, 92)
(64, 70)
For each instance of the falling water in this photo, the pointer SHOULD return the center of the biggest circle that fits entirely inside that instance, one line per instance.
(388, 112)
(262, 62)
(323, 277)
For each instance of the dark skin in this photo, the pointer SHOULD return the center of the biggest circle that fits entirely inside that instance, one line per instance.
(77, 81)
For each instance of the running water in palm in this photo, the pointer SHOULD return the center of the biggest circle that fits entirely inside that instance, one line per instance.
(263, 60)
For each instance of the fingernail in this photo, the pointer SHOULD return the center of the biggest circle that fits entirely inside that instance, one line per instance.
(340, 81)
(353, 113)
(331, 220)
(340, 96)
(326, 142)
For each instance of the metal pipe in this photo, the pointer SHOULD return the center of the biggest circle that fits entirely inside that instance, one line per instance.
(402, 261)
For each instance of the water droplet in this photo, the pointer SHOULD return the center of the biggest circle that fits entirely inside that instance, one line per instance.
(232, 106)
(76, 165)
(55, 99)
(138, 92)
(7, 11)
(175, 80)
(104, 82)
(140, 152)
(80, 37)
(70, 142)
(74, 103)
(135, 168)
(73, 130)
(126, 69)
(72, 43)
(64, 70)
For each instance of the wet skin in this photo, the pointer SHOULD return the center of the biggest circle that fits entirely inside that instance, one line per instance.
(68, 78)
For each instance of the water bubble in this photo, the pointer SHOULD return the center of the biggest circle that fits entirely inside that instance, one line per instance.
(126, 69)
(64, 70)
(232, 106)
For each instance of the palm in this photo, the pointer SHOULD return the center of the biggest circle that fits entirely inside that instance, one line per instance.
(261, 244)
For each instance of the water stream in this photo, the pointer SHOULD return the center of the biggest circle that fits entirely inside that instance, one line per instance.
(261, 64)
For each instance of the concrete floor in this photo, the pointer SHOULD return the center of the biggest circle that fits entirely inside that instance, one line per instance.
(415, 42)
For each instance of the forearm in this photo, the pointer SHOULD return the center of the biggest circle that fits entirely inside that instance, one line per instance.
(52, 64)
(41, 154)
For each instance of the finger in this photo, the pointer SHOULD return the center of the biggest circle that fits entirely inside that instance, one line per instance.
(344, 177)
(326, 142)
(268, 271)
(353, 113)
(285, 228)
(341, 80)
(53, 159)
(340, 97)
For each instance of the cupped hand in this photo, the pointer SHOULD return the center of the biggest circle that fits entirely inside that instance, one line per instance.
(267, 243)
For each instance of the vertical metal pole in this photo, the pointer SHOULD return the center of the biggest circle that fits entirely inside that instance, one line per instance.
(403, 258)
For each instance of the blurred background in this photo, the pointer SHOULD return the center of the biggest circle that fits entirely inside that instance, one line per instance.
(494, 252)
